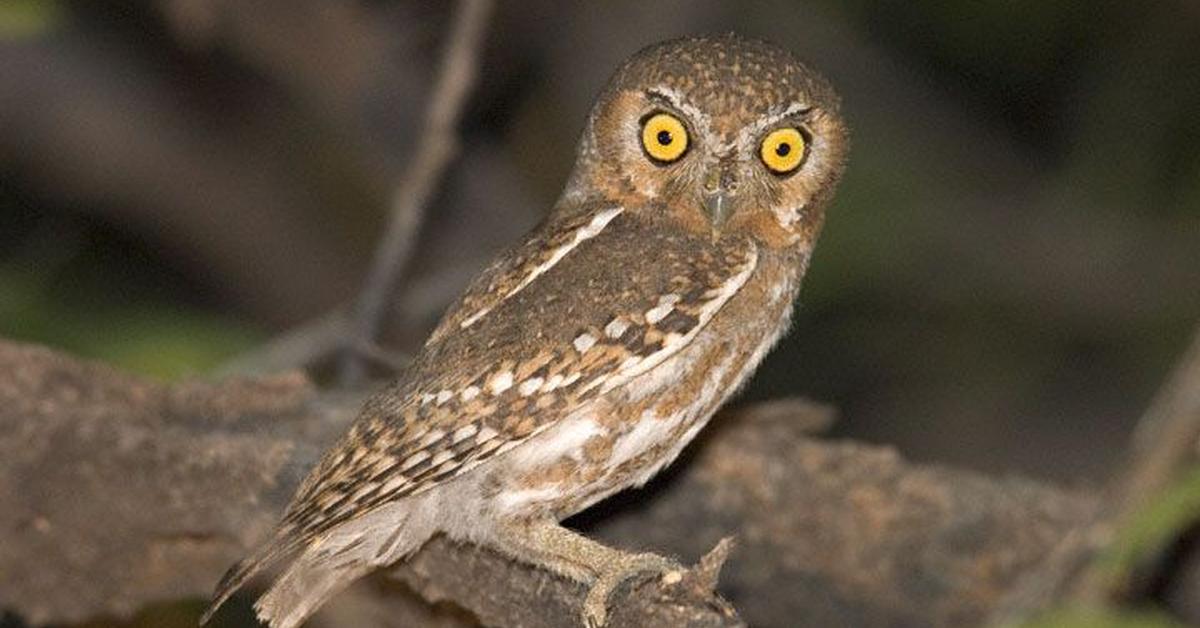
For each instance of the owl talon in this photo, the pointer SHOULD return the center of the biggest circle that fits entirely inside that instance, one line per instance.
(595, 605)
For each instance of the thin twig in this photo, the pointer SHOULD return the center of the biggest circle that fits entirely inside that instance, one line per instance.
(1165, 444)
(297, 348)
(1166, 441)
(437, 146)
(1168, 434)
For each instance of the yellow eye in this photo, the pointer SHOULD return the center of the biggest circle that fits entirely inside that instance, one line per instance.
(664, 137)
(782, 150)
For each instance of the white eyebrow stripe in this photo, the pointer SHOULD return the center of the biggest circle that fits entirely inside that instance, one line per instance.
(770, 120)
(750, 132)
(675, 99)
(789, 111)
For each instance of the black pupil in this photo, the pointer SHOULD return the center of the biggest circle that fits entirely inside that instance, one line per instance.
(664, 138)
(783, 149)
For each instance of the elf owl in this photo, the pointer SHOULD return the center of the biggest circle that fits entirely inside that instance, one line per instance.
(584, 359)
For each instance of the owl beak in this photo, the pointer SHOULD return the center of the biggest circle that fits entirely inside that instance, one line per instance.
(720, 183)
(719, 206)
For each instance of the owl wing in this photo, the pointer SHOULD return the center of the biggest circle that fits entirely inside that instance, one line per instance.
(541, 250)
(590, 300)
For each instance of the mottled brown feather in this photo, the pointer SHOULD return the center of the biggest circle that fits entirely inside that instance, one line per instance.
(602, 342)
(404, 441)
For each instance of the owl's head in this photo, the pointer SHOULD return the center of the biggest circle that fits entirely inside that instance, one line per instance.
(721, 135)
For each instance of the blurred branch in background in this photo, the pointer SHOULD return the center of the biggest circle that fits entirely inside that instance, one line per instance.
(437, 146)
(1166, 443)
(354, 336)
(301, 347)
(1151, 511)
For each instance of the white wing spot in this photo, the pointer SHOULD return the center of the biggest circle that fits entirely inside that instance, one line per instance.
(554, 382)
(587, 232)
(432, 437)
(465, 432)
(363, 491)
(442, 456)
(414, 460)
(583, 342)
(469, 393)
(393, 484)
(666, 303)
(444, 396)
(485, 434)
(427, 398)
(383, 464)
(529, 386)
(715, 299)
(616, 327)
(500, 382)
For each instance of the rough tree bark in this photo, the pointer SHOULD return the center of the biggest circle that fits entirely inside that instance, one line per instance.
(116, 492)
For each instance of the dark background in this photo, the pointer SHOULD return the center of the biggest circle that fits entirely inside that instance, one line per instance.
(1007, 274)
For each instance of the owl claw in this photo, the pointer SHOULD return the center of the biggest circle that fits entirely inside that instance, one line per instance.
(595, 605)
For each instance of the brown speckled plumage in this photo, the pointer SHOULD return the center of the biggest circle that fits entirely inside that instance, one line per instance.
(584, 359)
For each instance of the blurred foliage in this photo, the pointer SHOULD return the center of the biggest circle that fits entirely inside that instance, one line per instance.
(1153, 530)
(28, 18)
(142, 335)
(60, 291)
(1103, 619)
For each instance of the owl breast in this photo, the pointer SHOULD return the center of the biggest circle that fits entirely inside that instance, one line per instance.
(626, 436)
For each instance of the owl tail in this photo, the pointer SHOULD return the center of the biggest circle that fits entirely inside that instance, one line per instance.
(333, 563)
(307, 584)
(281, 544)
(326, 565)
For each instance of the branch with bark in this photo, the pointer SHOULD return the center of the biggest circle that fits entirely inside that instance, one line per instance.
(116, 492)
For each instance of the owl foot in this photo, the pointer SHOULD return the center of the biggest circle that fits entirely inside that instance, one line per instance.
(627, 566)
(602, 569)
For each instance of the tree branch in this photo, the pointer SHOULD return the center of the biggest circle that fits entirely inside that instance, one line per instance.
(116, 492)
